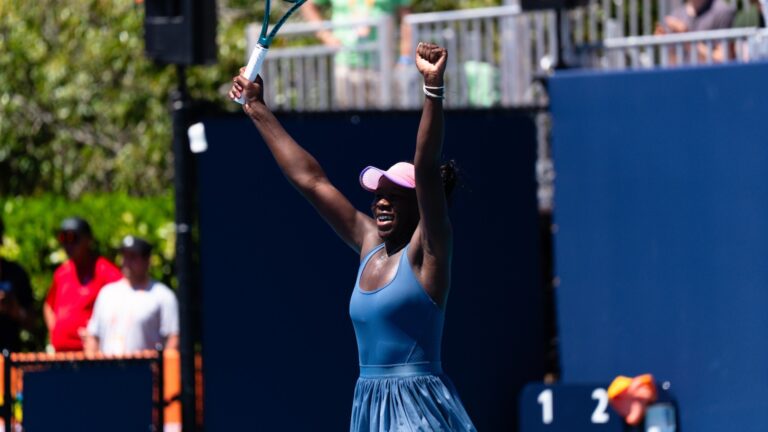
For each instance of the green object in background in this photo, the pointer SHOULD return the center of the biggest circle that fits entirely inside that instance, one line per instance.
(348, 10)
(482, 84)
(749, 17)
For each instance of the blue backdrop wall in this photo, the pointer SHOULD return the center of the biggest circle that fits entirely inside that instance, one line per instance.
(662, 242)
(89, 397)
(279, 349)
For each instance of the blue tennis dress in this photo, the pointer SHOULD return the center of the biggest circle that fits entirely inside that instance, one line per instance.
(401, 386)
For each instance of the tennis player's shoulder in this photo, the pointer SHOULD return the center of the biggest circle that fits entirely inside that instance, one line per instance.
(369, 243)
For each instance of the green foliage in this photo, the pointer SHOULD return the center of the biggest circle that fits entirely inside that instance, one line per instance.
(31, 224)
(81, 108)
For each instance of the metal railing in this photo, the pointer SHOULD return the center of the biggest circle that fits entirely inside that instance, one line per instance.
(305, 77)
(617, 34)
(494, 55)
(601, 19)
(684, 49)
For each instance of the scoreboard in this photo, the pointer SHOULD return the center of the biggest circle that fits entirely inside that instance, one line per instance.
(585, 408)
(567, 408)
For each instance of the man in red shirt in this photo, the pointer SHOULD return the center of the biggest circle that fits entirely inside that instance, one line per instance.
(76, 283)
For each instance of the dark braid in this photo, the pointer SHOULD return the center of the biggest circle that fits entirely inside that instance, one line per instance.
(449, 172)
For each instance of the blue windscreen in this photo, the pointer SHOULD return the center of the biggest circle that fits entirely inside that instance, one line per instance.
(89, 397)
(662, 240)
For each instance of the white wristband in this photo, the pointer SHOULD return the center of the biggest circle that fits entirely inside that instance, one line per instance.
(434, 95)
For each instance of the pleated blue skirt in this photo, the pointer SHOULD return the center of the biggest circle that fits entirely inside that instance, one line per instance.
(407, 399)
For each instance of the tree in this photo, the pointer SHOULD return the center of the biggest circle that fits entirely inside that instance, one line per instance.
(81, 108)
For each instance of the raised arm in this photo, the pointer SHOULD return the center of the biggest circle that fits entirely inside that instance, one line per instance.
(311, 13)
(435, 227)
(301, 169)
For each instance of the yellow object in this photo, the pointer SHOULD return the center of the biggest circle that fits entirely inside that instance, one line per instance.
(618, 386)
(629, 397)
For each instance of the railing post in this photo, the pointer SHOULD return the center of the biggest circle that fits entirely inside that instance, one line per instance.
(8, 397)
(161, 403)
(523, 65)
(509, 53)
(408, 96)
(385, 39)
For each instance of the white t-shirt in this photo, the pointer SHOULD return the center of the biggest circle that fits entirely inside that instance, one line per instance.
(127, 320)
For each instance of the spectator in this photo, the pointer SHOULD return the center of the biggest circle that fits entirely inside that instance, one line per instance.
(76, 283)
(753, 16)
(136, 312)
(355, 70)
(16, 302)
(750, 17)
(699, 15)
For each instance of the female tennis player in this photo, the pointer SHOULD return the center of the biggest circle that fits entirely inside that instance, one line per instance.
(398, 302)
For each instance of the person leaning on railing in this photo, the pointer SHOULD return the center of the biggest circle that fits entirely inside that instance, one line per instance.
(695, 16)
(751, 17)
(358, 69)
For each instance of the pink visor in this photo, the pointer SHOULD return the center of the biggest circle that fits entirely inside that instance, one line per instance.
(401, 174)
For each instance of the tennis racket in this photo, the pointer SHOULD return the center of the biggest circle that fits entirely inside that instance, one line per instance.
(265, 40)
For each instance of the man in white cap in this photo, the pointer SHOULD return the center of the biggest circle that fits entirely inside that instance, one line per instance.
(135, 313)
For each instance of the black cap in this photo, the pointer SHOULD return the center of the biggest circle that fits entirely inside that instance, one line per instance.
(136, 244)
(76, 224)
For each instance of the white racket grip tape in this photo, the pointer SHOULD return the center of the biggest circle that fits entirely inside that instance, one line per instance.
(254, 66)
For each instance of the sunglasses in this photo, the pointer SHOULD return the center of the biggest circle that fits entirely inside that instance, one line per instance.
(68, 237)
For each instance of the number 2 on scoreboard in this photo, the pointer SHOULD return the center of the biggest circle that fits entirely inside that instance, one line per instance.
(599, 415)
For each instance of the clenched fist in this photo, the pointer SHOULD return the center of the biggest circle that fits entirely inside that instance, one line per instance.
(430, 60)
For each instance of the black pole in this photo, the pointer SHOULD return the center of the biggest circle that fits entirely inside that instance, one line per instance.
(560, 37)
(7, 396)
(184, 254)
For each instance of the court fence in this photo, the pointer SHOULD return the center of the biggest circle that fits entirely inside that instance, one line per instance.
(495, 54)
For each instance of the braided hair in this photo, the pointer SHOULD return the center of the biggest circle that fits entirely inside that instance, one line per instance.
(449, 172)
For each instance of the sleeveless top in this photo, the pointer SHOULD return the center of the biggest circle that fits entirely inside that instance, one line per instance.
(397, 325)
